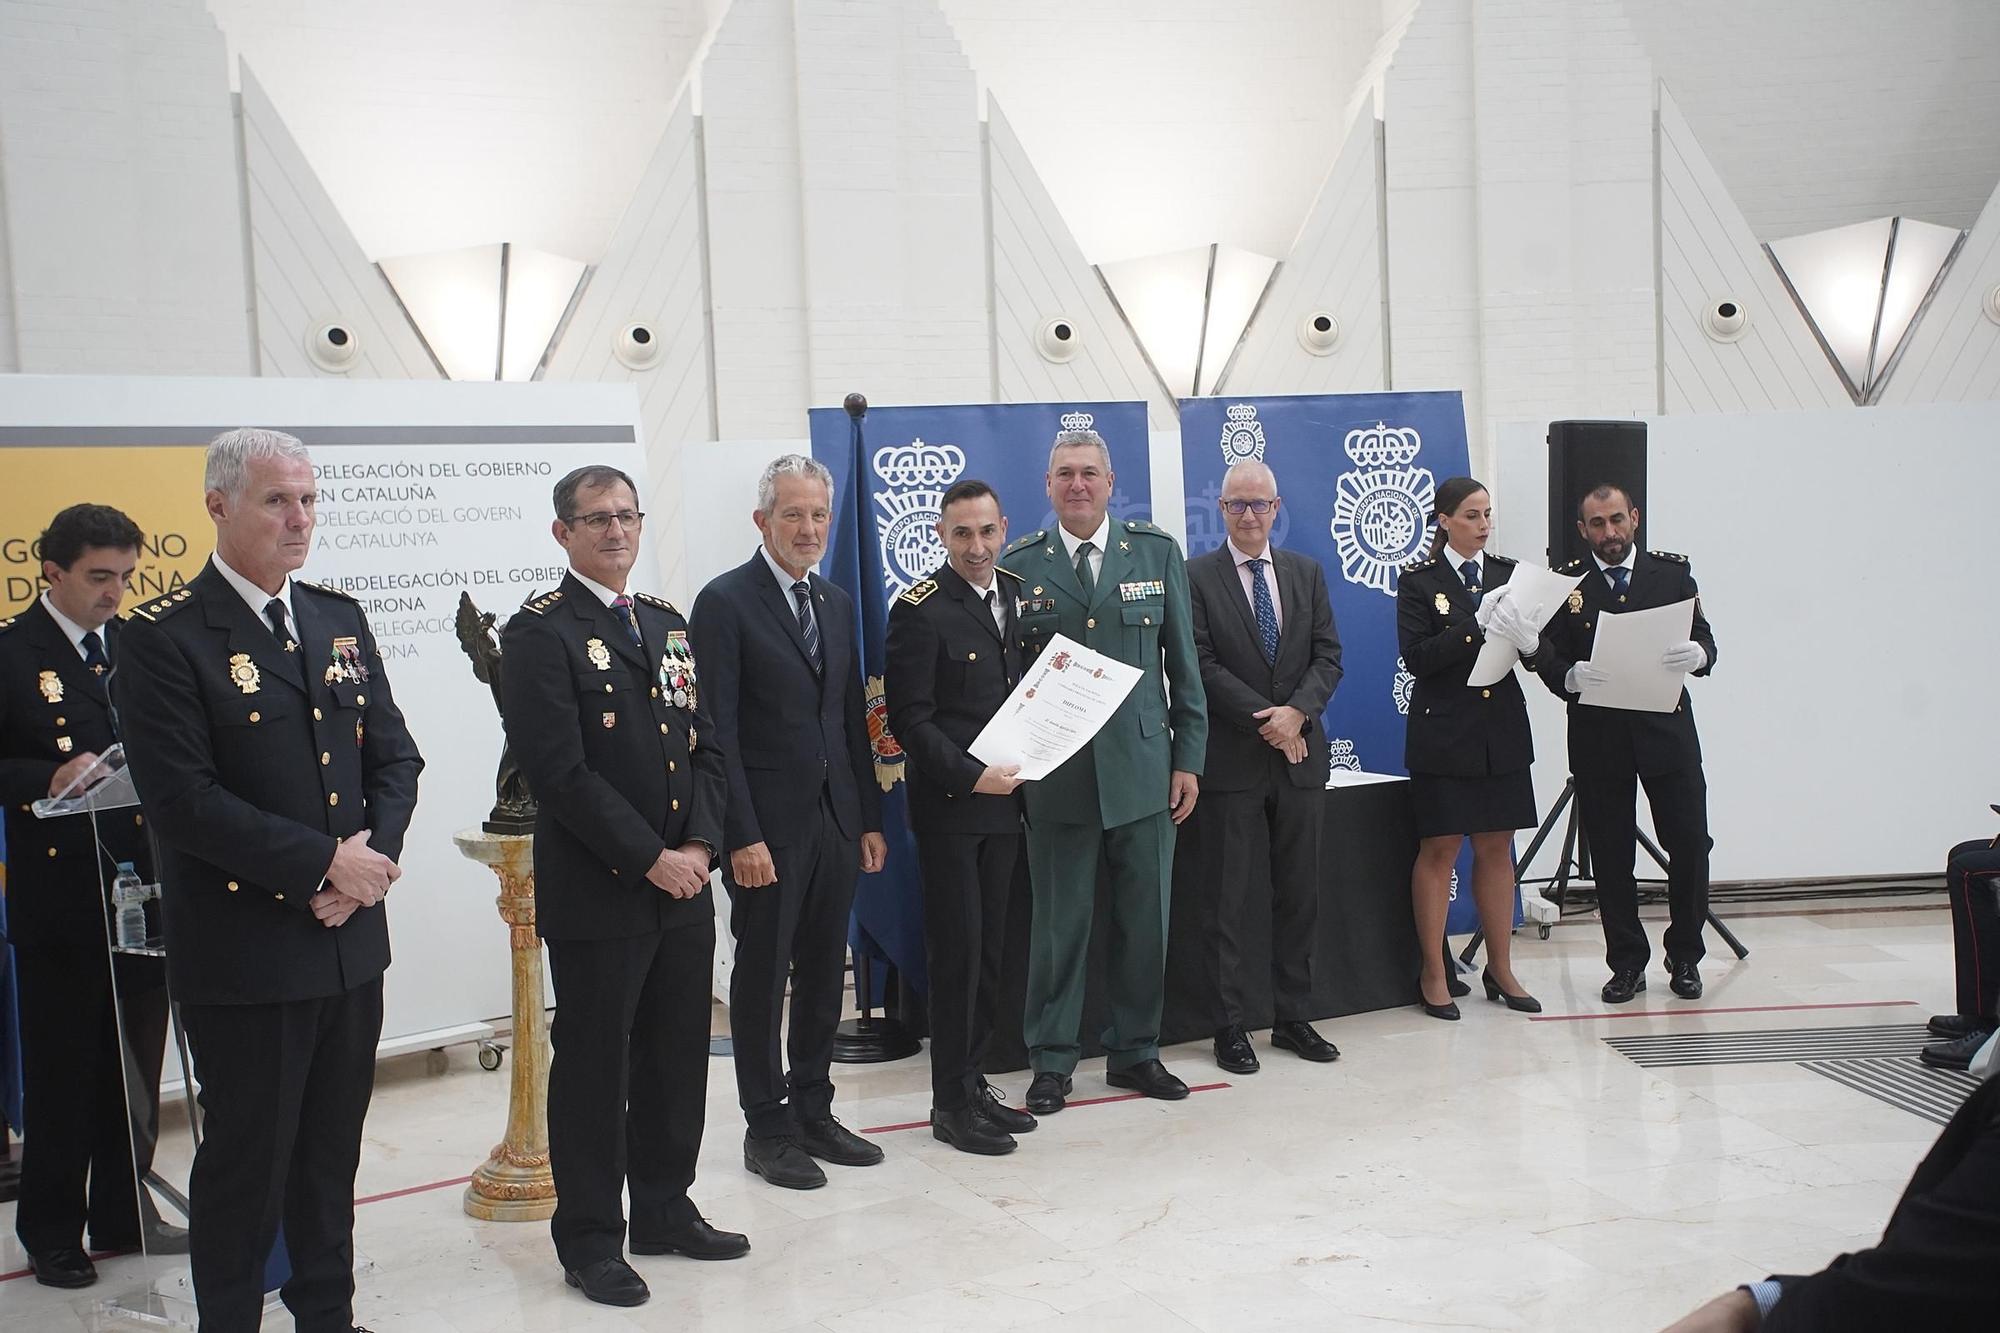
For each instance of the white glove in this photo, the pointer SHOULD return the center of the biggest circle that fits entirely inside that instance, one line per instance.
(1584, 676)
(1518, 627)
(1489, 604)
(1689, 656)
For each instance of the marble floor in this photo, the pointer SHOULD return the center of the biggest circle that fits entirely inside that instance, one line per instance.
(1496, 1173)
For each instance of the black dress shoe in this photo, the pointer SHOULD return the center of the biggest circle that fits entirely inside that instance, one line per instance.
(965, 1129)
(780, 1160)
(609, 1282)
(1524, 1004)
(831, 1141)
(1150, 1077)
(1448, 1011)
(1233, 1051)
(1955, 1025)
(1687, 980)
(1048, 1093)
(697, 1240)
(62, 1268)
(1956, 1053)
(1300, 1039)
(1624, 984)
(1000, 1115)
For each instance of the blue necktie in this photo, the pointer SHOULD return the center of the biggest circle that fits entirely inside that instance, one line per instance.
(1267, 615)
(93, 655)
(807, 625)
(621, 606)
(1469, 571)
(1618, 574)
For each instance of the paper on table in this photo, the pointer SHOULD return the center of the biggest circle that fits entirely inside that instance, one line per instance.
(1062, 701)
(1628, 649)
(1533, 586)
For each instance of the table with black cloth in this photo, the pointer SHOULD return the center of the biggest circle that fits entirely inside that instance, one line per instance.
(1366, 955)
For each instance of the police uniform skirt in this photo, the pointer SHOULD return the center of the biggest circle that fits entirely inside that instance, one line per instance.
(1446, 804)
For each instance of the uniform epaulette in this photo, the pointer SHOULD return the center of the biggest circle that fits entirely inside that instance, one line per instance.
(1141, 525)
(162, 607)
(1668, 555)
(1572, 565)
(916, 592)
(543, 602)
(1421, 562)
(660, 602)
(6, 624)
(1023, 543)
(326, 588)
(1501, 559)
(1010, 574)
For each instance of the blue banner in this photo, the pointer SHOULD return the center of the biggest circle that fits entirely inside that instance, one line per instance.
(891, 469)
(1357, 473)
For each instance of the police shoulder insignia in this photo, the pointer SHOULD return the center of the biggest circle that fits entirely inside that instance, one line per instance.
(1501, 559)
(161, 607)
(1010, 573)
(1573, 565)
(6, 624)
(919, 590)
(660, 602)
(1668, 555)
(326, 588)
(543, 602)
(1421, 562)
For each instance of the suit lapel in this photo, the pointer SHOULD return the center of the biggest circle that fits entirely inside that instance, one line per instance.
(247, 635)
(781, 606)
(970, 601)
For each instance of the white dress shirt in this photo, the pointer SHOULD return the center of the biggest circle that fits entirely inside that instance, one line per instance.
(1629, 564)
(1458, 559)
(602, 593)
(74, 631)
(986, 595)
(256, 598)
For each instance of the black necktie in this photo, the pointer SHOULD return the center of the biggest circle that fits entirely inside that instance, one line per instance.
(93, 655)
(808, 627)
(1083, 574)
(1469, 571)
(1618, 574)
(621, 606)
(274, 612)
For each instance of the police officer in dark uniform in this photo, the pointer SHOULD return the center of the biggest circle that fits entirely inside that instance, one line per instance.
(1613, 750)
(279, 779)
(602, 699)
(953, 659)
(56, 657)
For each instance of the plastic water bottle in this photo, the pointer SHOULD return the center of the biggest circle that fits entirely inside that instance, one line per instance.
(128, 896)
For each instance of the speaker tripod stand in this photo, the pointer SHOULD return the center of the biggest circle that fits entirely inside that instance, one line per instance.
(1575, 863)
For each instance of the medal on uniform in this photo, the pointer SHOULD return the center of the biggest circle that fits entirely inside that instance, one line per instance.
(244, 673)
(51, 686)
(65, 744)
(599, 655)
(1575, 601)
(610, 721)
(1443, 604)
(680, 698)
(357, 733)
(346, 662)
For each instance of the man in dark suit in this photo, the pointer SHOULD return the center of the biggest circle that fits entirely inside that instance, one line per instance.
(777, 650)
(602, 700)
(1972, 888)
(952, 661)
(279, 778)
(1270, 659)
(55, 719)
(1613, 750)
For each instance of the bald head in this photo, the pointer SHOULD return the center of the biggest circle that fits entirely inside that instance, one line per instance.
(1252, 479)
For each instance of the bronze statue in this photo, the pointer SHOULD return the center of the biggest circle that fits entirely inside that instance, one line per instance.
(514, 806)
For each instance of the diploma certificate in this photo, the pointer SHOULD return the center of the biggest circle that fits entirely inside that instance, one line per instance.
(1063, 699)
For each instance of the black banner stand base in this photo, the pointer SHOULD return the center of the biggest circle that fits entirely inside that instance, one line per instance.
(871, 1039)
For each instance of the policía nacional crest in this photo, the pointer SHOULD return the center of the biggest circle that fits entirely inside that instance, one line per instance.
(1340, 755)
(1405, 684)
(1381, 510)
(917, 475)
(1242, 435)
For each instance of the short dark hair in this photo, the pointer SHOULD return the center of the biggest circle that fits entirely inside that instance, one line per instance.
(1603, 490)
(972, 488)
(593, 475)
(80, 527)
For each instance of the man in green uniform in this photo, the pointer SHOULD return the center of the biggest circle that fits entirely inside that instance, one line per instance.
(1121, 589)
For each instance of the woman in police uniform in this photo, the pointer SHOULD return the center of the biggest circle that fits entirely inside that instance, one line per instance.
(1468, 748)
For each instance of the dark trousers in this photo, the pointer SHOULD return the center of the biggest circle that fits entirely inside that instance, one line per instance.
(1972, 884)
(798, 925)
(1605, 803)
(284, 1090)
(1276, 827)
(968, 887)
(78, 1163)
(628, 1085)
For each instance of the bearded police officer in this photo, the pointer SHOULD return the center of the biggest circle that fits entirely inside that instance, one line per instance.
(1613, 750)
(1120, 588)
(279, 779)
(953, 658)
(602, 699)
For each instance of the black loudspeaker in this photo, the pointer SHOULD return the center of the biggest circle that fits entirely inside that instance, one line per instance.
(1584, 455)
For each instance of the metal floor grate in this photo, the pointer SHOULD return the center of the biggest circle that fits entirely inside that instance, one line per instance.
(1668, 1050)
(1934, 1094)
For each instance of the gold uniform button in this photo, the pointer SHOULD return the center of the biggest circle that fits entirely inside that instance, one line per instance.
(234, 886)
(52, 851)
(656, 691)
(614, 870)
(318, 716)
(360, 701)
(333, 798)
(256, 717)
(1468, 638)
(671, 766)
(62, 721)
(1486, 694)
(139, 820)
(325, 758)
(677, 805)
(1146, 619)
(607, 687)
(663, 726)
(279, 896)
(972, 657)
(1091, 623)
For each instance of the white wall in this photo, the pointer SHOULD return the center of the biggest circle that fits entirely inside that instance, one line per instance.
(1841, 729)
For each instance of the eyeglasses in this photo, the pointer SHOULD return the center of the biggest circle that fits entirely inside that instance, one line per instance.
(600, 521)
(1254, 506)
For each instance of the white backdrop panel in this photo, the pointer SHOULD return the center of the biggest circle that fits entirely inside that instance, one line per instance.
(1842, 557)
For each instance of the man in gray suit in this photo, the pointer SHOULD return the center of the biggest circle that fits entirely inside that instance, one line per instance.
(1263, 631)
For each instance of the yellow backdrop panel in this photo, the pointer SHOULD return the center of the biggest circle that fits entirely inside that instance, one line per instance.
(159, 487)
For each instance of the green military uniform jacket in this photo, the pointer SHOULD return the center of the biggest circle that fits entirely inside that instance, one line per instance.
(1139, 615)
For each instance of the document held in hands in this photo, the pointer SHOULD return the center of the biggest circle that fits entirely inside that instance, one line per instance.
(1533, 587)
(1628, 649)
(1062, 701)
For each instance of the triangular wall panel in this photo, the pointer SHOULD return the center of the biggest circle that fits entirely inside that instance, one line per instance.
(1954, 352)
(306, 266)
(1039, 273)
(1335, 266)
(1708, 252)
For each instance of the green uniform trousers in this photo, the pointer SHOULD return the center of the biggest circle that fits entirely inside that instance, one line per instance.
(1064, 859)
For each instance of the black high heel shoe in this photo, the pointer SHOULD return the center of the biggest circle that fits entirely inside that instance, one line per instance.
(1526, 1004)
(1448, 1011)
